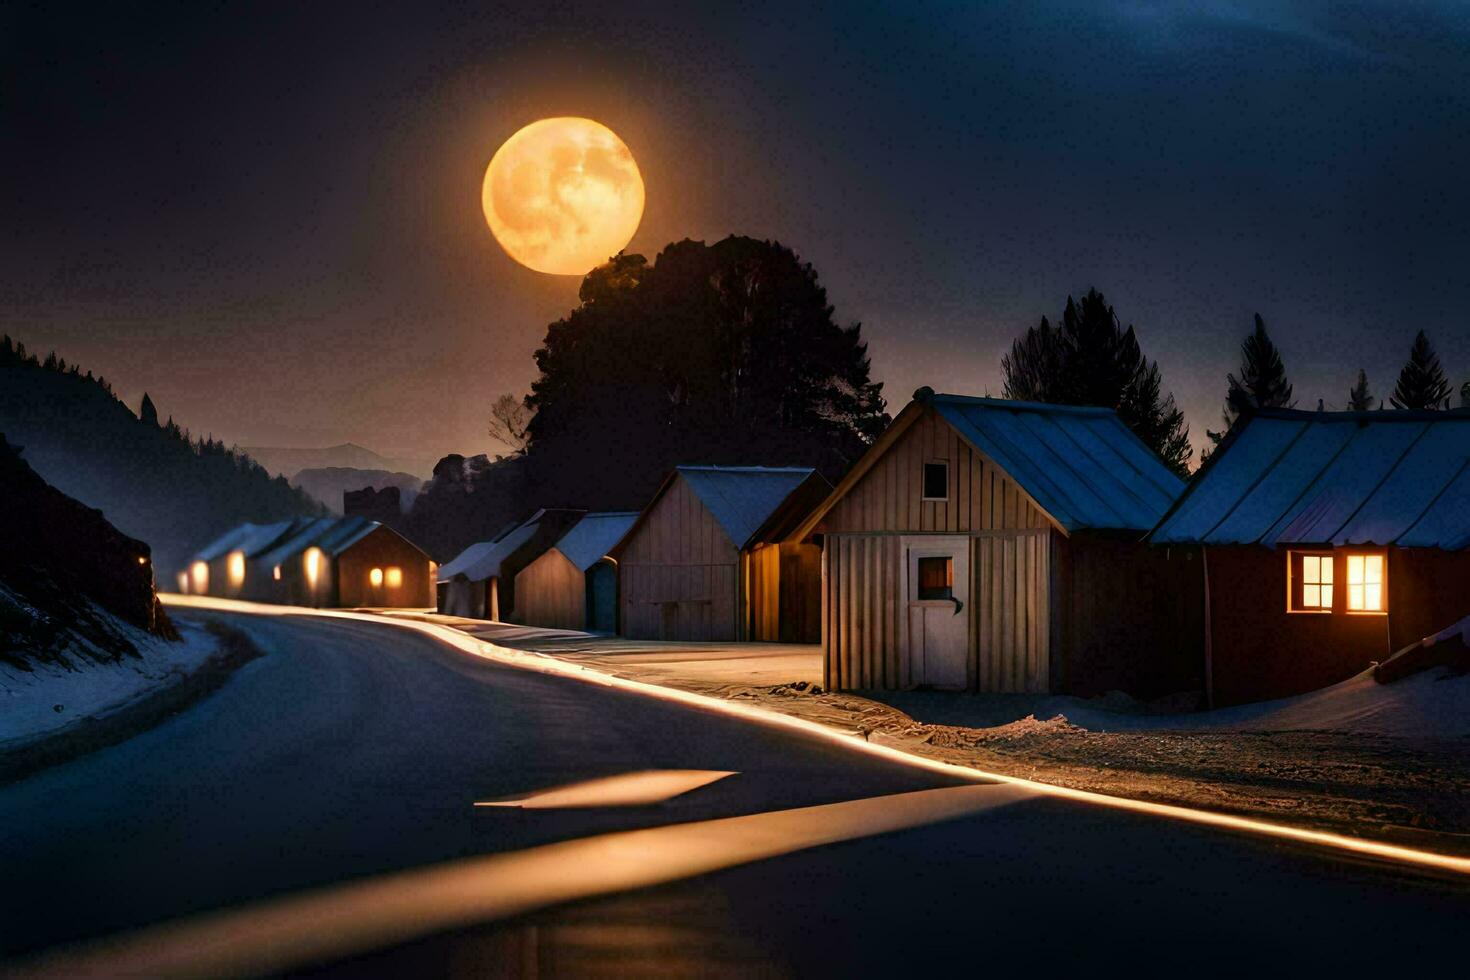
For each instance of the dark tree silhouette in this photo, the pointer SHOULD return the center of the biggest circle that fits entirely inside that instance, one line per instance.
(1262, 382)
(724, 353)
(1091, 359)
(1360, 398)
(147, 412)
(1422, 383)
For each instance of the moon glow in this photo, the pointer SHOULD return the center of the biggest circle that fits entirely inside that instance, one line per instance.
(563, 195)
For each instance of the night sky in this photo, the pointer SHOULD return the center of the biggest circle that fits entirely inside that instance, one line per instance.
(269, 218)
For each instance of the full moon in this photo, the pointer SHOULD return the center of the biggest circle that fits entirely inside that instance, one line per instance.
(563, 195)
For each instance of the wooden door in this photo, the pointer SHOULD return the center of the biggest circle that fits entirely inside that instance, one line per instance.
(937, 590)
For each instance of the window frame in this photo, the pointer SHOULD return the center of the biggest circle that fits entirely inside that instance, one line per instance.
(924, 480)
(1356, 552)
(948, 586)
(1294, 604)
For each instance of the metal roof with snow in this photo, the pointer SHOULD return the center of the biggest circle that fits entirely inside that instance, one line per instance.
(591, 538)
(1290, 477)
(481, 561)
(743, 498)
(1082, 466)
(250, 539)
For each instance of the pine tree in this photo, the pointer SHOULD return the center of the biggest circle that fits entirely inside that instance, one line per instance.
(1360, 399)
(1091, 359)
(1422, 383)
(1262, 382)
(147, 413)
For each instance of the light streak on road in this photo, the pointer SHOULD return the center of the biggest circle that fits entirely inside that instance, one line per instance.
(546, 664)
(347, 920)
(642, 788)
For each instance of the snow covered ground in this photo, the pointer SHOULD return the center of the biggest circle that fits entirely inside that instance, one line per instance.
(51, 698)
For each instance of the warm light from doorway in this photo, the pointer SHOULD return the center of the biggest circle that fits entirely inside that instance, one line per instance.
(276, 573)
(395, 577)
(237, 568)
(375, 578)
(312, 564)
(199, 574)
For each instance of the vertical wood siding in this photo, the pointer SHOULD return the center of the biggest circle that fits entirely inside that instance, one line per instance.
(679, 573)
(864, 634)
(865, 605)
(551, 592)
(889, 496)
(383, 549)
(1010, 629)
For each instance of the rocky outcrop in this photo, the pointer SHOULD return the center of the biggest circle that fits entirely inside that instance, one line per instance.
(62, 561)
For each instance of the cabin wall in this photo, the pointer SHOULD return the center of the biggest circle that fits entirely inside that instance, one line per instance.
(889, 496)
(1259, 651)
(551, 592)
(679, 573)
(865, 623)
(1126, 617)
(383, 549)
(782, 592)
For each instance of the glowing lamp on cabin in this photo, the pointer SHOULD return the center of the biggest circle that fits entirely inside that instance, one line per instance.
(311, 563)
(184, 583)
(375, 578)
(142, 560)
(236, 568)
(276, 573)
(199, 576)
(394, 578)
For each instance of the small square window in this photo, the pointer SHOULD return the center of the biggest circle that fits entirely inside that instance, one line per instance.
(936, 481)
(936, 578)
(1311, 582)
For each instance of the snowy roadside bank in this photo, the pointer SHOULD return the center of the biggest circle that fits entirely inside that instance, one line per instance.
(54, 713)
(1387, 762)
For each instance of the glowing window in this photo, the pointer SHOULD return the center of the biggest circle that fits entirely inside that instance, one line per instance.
(936, 481)
(184, 583)
(1365, 583)
(237, 568)
(276, 573)
(375, 577)
(1312, 585)
(312, 564)
(395, 578)
(936, 578)
(199, 575)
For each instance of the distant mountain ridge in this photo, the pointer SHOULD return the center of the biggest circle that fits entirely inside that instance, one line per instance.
(287, 461)
(329, 483)
(152, 481)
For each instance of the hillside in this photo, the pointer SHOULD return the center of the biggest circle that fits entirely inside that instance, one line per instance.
(151, 480)
(71, 584)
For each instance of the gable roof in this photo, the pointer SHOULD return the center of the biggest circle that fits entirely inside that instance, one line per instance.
(251, 539)
(1081, 466)
(743, 498)
(591, 538)
(526, 540)
(1290, 477)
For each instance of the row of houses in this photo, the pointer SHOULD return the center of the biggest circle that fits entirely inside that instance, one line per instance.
(322, 562)
(985, 545)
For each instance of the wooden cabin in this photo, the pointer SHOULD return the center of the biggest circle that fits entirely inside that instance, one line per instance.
(990, 545)
(480, 582)
(707, 560)
(228, 565)
(574, 584)
(1328, 540)
(315, 562)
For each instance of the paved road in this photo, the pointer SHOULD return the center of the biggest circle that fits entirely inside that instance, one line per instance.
(354, 749)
